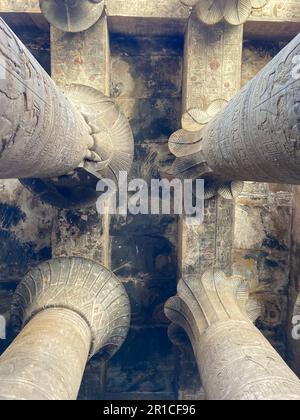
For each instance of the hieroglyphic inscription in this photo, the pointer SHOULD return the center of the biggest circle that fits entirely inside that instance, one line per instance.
(34, 141)
(82, 58)
(256, 137)
(212, 63)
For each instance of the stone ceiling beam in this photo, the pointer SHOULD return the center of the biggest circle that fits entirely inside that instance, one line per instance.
(212, 76)
(170, 16)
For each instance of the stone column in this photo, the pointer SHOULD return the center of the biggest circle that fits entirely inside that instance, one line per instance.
(236, 362)
(256, 136)
(42, 135)
(67, 309)
(45, 135)
(70, 15)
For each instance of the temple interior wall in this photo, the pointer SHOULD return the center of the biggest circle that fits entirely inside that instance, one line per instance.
(146, 82)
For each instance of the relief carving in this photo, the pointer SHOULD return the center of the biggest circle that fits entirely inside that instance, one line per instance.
(66, 310)
(72, 15)
(234, 12)
(254, 138)
(235, 361)
(58, 158)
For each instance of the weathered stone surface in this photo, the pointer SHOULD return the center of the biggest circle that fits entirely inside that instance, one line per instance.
(143, 247)
(235, 360)
(277, 10)
(44, 146)
(79, 59)
(212, 72)
(188, 381)
(67, 310)
(25, 224)
(269, 254)
(234, 13)
(72, 17)
(212, 64)
(30, 6)
(82, 58)
(244, 141)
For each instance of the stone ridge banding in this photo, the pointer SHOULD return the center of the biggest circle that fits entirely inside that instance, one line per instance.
(67, 310)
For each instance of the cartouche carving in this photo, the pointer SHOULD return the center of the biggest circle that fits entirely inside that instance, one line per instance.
(235, 361)
(67, 310)
(235, 12)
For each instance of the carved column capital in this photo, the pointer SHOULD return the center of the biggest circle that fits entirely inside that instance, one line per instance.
(235, 12)
(244, 141)
(235, 361)
(59, 144)
(111, 151)
(70, 15)
(82, 286)
(67, 310)
(213, 299)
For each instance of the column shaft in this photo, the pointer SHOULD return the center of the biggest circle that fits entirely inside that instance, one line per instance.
(235, 360)
(41, 133)
(67, 310)
(237, 363)
(256, 138)
(47, 359)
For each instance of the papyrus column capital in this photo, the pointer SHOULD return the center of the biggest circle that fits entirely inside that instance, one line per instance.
(213, 299)
(235, 360)
(82, 286)
(64, 311)
(232, 11)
